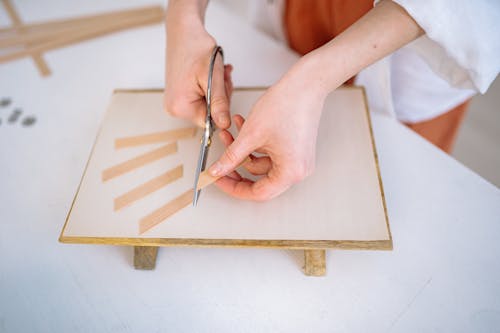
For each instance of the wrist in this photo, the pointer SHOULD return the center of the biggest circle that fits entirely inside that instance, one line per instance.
(317, 73)
(185, 14)
(185, 29)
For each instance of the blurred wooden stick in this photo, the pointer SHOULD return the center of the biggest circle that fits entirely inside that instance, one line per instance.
(37, 33)
(84, 20)
(82, 35)
(40, 63)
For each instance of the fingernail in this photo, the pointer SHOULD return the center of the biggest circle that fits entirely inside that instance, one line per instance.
(216, 169)
(223, 119)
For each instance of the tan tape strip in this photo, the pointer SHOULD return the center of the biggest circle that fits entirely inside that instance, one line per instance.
(172, 207)
(149, 187)
(205, 179)
(139, 161)
(165, 211)
(178, 203)
(173, 135)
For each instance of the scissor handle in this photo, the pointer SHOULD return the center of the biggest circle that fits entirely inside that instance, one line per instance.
(208, 118)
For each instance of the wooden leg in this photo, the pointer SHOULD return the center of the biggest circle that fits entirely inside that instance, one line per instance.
(145, 257)
(314, 262)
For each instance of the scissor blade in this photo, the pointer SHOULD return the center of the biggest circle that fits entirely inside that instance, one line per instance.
(209, 126)
(202, 162)
(195, 197)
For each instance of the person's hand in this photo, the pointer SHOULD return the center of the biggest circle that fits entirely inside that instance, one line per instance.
(189, 47)
(282, 127)
(283, 123)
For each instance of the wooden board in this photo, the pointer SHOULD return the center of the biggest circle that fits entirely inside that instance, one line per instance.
(340, 206)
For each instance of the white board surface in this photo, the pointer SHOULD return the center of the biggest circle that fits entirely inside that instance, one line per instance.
(341, 201)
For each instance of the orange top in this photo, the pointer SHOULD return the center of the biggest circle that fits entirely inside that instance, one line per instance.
(310, 24)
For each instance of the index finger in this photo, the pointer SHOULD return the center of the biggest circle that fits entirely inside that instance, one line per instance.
(263, 189)
(220, 98)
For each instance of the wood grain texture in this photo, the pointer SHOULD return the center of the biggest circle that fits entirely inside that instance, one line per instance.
(145, 257)
(383, 245)
(40, 63)
(315, 262)
(377, 165)
(139, 161)
(149, 187)
(165, 136)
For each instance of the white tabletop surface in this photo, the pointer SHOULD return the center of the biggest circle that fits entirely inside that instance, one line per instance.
(443, 275)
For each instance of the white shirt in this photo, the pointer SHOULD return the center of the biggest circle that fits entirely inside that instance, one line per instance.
(458, 56)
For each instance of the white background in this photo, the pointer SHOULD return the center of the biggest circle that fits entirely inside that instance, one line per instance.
(443, 275)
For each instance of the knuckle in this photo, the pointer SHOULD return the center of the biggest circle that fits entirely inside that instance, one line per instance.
(178, 109)
(299, 172)
(172, 107)
(268, 191)
(219, 103)
(262, 195)
(230, 155)
(254, 134)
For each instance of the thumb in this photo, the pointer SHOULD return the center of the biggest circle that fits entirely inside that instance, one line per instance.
(234, 155)
(220, 100)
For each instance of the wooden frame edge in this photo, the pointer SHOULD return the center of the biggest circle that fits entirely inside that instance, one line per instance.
(377, 166)
(241, 243)
(157, 90)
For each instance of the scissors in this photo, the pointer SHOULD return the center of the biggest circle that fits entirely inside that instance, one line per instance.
(206, 138)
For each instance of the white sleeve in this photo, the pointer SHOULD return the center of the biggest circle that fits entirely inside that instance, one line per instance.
(462, 41)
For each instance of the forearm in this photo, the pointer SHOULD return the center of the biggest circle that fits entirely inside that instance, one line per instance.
(186, 33)
(383, 30)
(191, 12)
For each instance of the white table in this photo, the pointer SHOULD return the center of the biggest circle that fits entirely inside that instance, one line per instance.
(443, 275)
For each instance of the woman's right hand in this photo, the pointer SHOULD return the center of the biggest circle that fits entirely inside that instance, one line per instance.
(189, 47)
